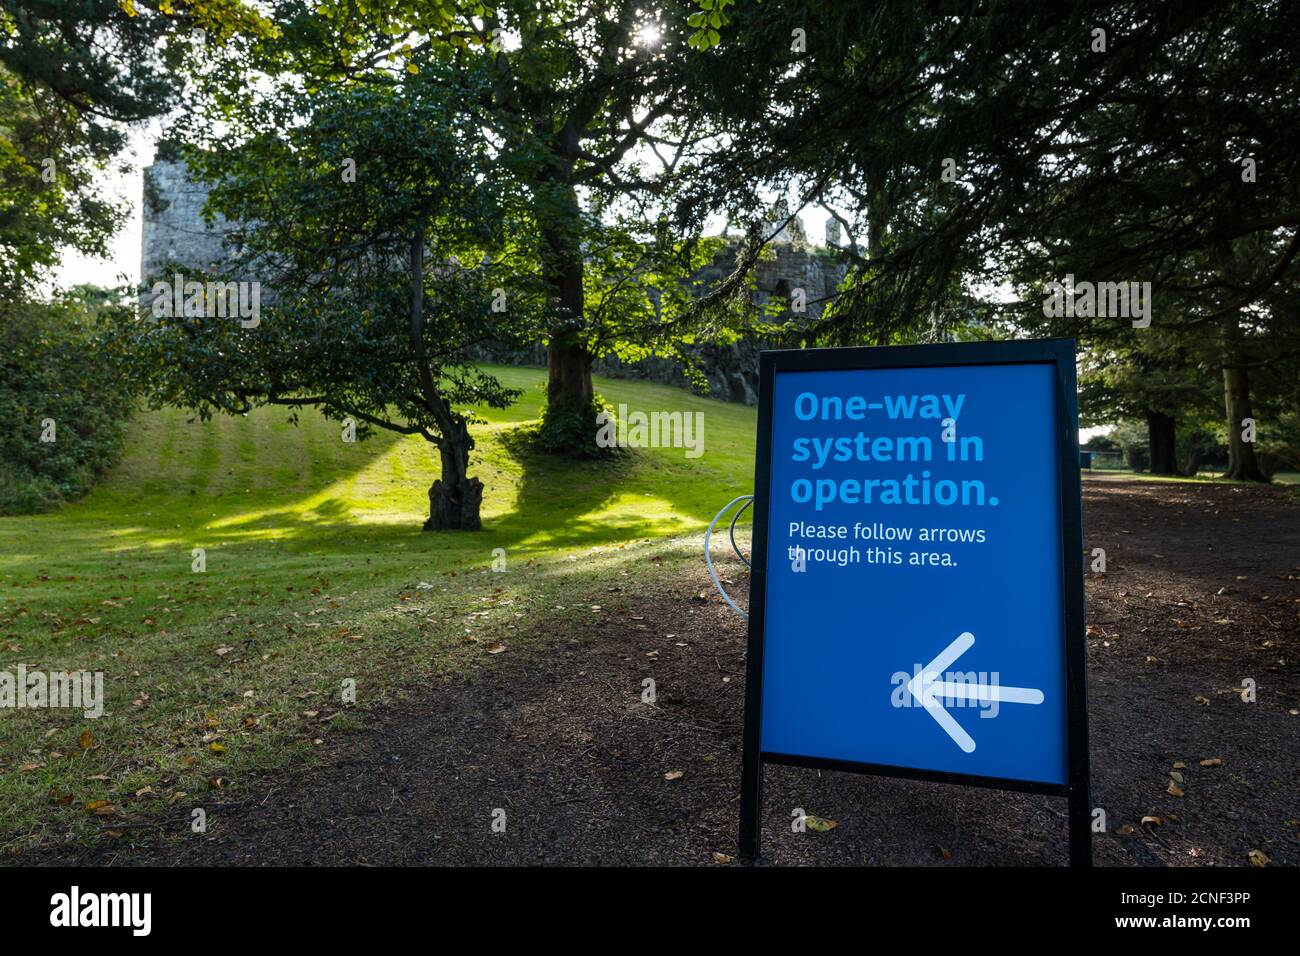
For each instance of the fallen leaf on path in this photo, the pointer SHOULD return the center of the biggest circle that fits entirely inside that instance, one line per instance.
(820, 824)
(674, 775)
(1211, 762)
(1174, 790)
(1259, 858)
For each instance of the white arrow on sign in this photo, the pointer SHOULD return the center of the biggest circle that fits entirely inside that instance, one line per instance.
(929, 691)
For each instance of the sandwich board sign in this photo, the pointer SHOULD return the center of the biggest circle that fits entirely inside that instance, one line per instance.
(916, 599)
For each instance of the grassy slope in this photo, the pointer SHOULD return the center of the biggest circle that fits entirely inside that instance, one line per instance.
(314, 560)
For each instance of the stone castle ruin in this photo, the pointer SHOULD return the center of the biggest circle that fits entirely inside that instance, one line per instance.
(174, 231)
(173, 227)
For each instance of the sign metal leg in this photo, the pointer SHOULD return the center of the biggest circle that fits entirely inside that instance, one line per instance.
(751, 800)
(1080, 817)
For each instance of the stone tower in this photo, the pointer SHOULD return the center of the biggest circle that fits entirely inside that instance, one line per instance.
(173, 229)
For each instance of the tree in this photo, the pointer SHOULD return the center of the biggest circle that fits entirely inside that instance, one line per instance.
(592, 116)
(73, 77)
(384, 242)
(1151, 378)
(1113, 141)
(1184, 205)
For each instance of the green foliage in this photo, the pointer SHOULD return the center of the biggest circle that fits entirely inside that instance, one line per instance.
(1131, 437)
(1149, 370)
(1197, 447)
(373, 170)
(571, 431)
(73, 75)
(1102, 443)
(48, 171)
(976, 150)
(587, 125)
(639, 290)
(708, 21)
(56, 382)
(1279, 443)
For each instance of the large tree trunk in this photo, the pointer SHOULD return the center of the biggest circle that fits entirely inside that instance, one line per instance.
(569, 386)
(569, 422)
(1243, 465)
(1161, 438)
(455, 499)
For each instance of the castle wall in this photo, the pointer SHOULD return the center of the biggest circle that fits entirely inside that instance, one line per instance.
(173, 229)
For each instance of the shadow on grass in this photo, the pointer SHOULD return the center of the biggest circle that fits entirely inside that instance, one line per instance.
(560, 503)
(559, 499)
(557, 503)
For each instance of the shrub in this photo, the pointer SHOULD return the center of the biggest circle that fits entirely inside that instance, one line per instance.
(57, 381)
(1132, 439)
(572, 431)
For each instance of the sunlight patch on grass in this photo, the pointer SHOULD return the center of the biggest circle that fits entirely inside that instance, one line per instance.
(311, 543)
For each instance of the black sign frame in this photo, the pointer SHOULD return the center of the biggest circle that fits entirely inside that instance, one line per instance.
(1059, 353)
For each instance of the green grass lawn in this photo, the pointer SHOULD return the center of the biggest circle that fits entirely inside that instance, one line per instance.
(317, 572)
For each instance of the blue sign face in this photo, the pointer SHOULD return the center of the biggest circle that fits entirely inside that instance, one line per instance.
(914, 605)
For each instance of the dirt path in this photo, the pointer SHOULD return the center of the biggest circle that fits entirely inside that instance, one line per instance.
(1200, 593)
